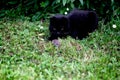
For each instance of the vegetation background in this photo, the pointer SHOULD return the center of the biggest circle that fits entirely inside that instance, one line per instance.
(37, 9)
(25, 53)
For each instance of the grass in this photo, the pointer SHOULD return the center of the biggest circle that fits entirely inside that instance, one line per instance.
(25, 53)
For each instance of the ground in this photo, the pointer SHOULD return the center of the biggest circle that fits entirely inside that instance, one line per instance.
(26, 54)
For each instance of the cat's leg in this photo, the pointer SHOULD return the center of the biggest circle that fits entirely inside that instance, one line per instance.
(74, 34)
(52, 37)
(82, 35)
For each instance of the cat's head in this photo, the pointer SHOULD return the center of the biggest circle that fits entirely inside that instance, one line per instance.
(59, 25)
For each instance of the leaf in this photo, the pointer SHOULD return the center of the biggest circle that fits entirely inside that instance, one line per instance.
(44, 4)
(12, 2)
(2, 14)
(72, 1)
(112, 1)
(64, 2)
(30, 3)
(81, 1)
(57, 1)
(72, 5)
(1, 26)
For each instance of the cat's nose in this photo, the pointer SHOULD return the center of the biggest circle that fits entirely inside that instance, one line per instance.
(58, 32)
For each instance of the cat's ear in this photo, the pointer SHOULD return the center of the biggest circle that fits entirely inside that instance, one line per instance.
(65, 20)
(92, 14)
(52, 19)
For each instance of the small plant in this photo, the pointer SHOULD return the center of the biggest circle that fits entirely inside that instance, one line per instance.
(42, 9)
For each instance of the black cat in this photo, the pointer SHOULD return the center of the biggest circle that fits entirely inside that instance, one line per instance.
(77, 24)
(58, 27)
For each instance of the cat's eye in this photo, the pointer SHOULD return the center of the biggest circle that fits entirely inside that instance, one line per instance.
(62, 29)
(54, 29)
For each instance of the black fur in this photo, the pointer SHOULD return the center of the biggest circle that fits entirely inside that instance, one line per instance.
(77, 24)
(58, 27)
